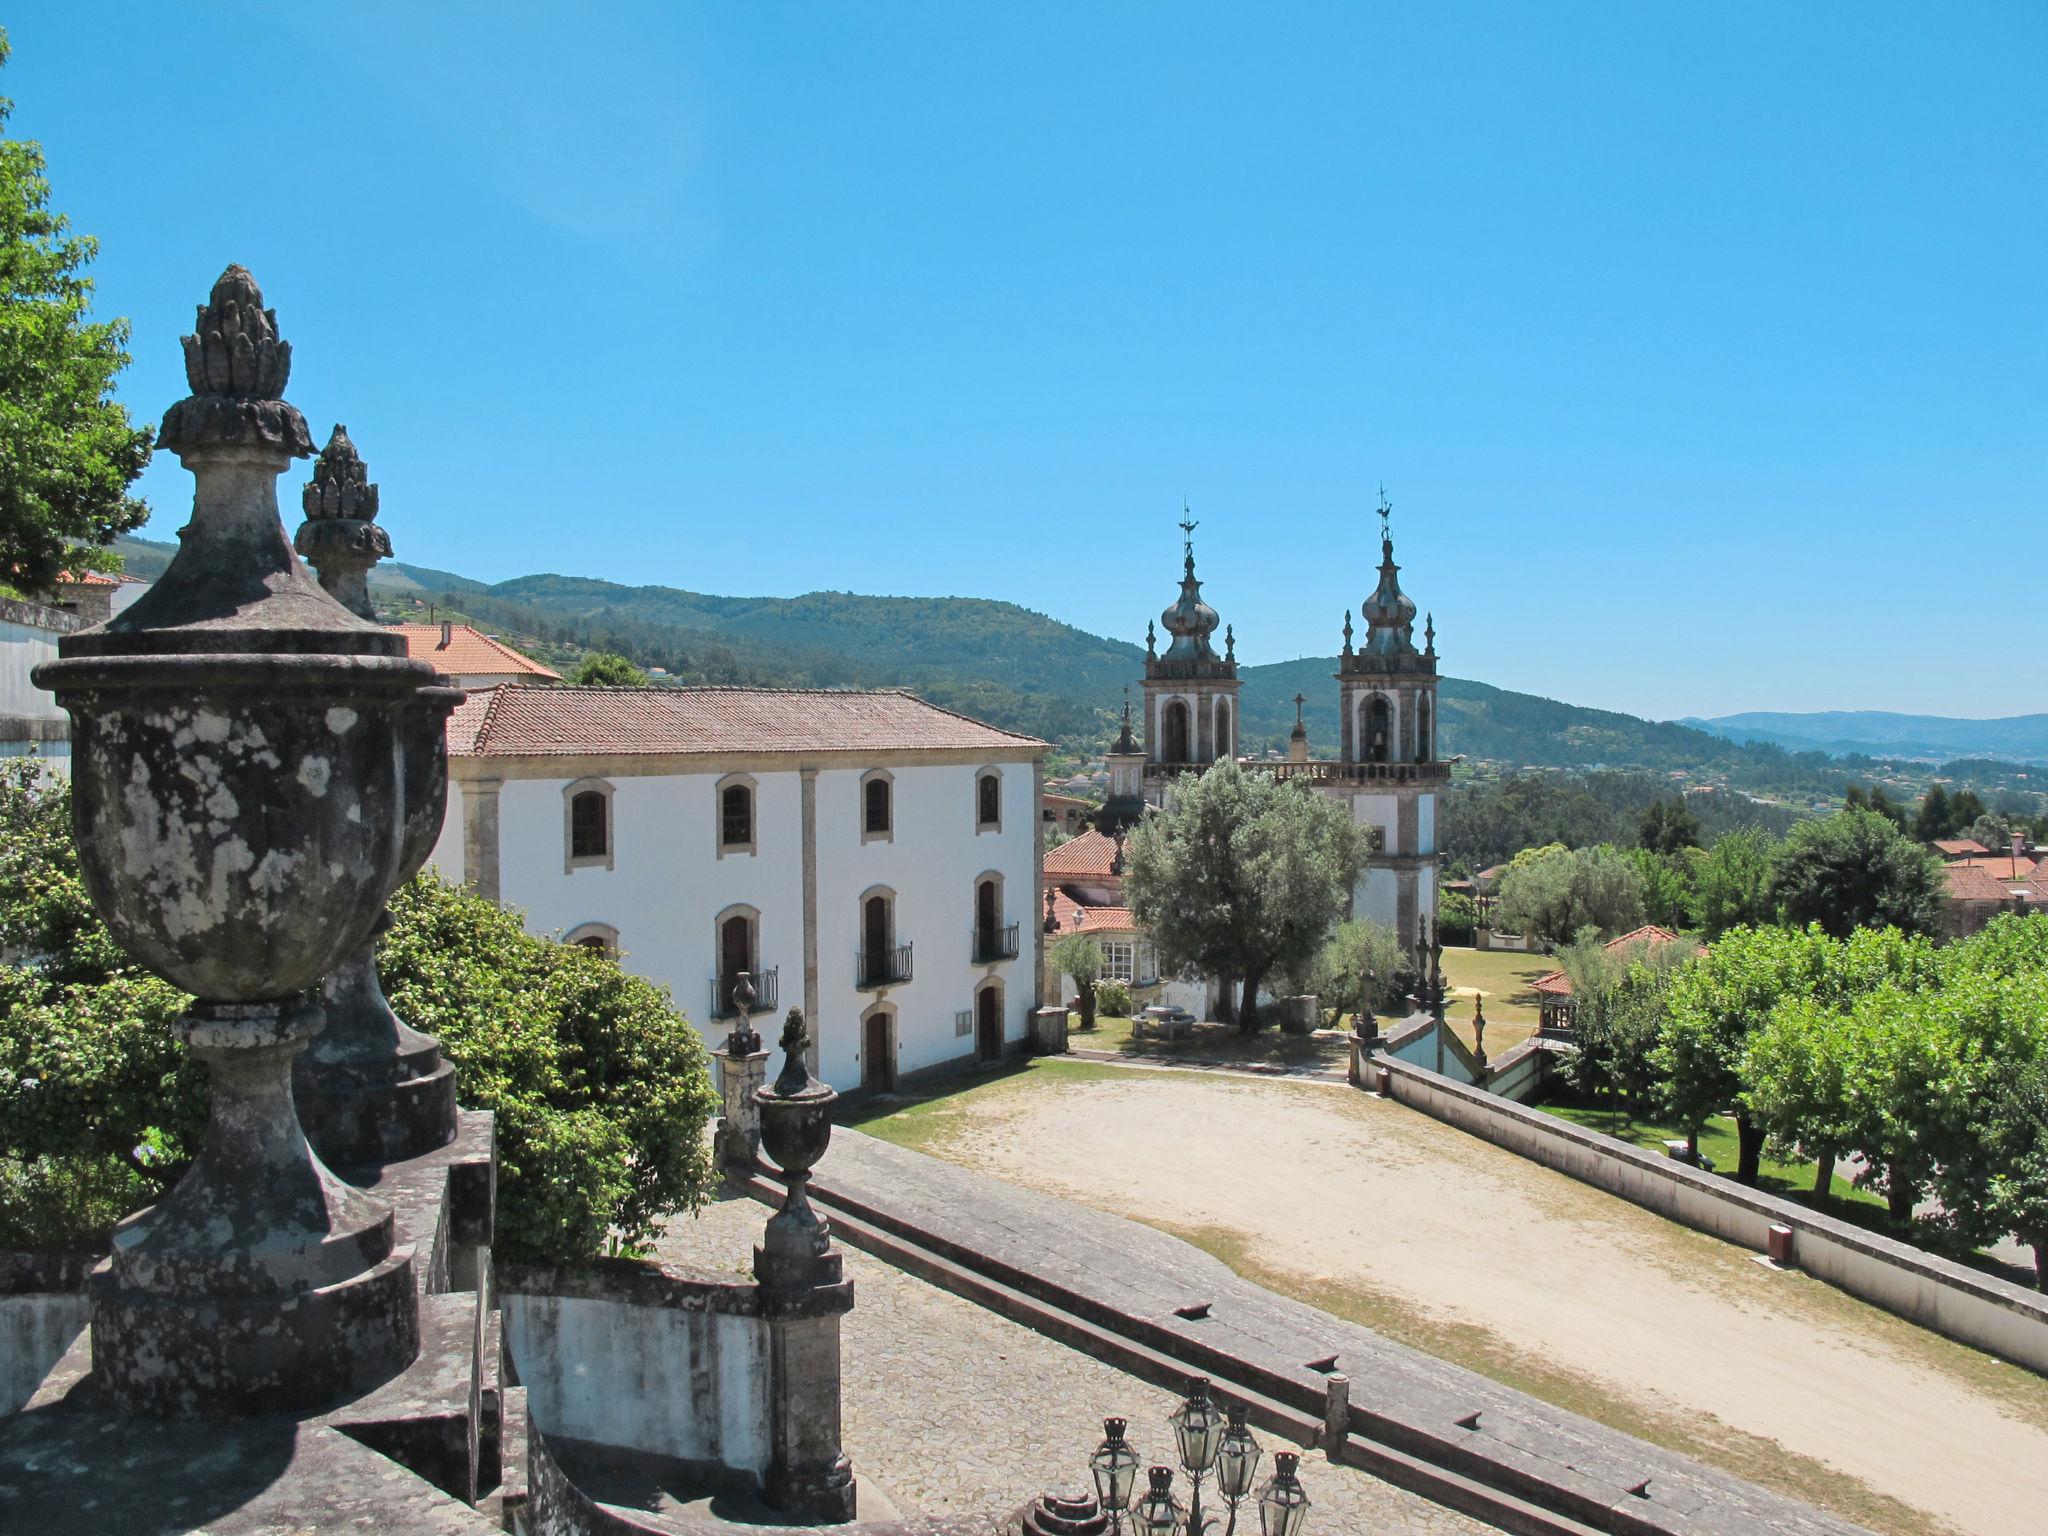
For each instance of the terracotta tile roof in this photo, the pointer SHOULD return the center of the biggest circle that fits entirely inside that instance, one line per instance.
(468, 652)
(1999, 866)
(517, 721)
(87, 579)
(1088, 854)
(1092, 919)
(1956, 847)
(1557, 984)
(1971, 880)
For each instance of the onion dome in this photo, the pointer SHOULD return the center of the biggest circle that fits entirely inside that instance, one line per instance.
(1389, 612)
(1190, 620)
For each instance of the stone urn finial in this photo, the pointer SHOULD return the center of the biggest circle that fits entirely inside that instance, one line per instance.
(796, 1128)
(249, 765)
(743, 1041)
(371, 1088)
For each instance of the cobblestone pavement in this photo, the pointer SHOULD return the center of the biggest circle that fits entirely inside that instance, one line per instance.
(952, 1410)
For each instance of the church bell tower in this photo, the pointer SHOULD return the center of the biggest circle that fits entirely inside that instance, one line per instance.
(1390, 770)
(1190, 691)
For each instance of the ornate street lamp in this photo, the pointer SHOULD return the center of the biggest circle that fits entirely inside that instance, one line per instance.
(1115, 1469)
(1207, 1441)
(1283, 1503)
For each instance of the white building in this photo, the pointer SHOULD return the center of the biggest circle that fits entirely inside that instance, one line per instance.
(31, 724)
(867, 856)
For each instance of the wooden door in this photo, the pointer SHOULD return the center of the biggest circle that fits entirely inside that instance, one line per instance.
(877, 1055)
(985, 919)
(875, 934)
(988, 1023)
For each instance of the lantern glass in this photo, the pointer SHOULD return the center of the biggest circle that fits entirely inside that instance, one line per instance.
(1115, 1466)
(1238, 1458)
(1198, 1430)
(1158, 1513)
(1283, 1504)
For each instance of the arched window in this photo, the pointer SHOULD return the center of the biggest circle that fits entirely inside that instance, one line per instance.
(1425, 727)
(883, 961)
(1378, 734)
(587, 824)
(599, 938)
(877, 806)
(993, 939)
(736, 811)
(988, 801)
(1224, 746)
(1173, 731)
(738, 937)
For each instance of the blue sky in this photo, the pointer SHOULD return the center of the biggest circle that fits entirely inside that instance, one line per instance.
(1703, 350)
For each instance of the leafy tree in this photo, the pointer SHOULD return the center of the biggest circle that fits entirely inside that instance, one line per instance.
(2018, 1144)
(1353, 948)
(1717, 1002)
(1243, 876)
(1935, 819)
(1555, 894)
(68, 452)
(1964, 807)
(1078, 956)
(1457, 917)
(1732, 888)
(605, 669)
(1666, 882)
(1993, 830)
(1795, 1069)
(1883, 805)
(1668, 826)
(1855, 869)
(1618, 1020)
(600, 1087)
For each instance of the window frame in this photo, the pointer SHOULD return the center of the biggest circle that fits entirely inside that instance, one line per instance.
(752, 845)
(603, 933)
(887, 779)
(983, 775)
(571, 792)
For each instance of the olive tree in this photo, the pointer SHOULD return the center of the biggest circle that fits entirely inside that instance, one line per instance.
(1243, 875)
(1562, 891)
(1080, 957)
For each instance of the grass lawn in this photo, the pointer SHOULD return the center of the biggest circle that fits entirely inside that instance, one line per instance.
(1505, 977)
(1218, 1042)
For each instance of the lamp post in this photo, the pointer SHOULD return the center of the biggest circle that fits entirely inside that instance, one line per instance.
(1208, 1442)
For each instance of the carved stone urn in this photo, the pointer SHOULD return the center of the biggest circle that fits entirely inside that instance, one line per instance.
(796, 1128)
(370, 1088)
(243, 753)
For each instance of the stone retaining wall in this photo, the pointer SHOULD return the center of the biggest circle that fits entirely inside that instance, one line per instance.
(43, 1310)
(1975, 1309)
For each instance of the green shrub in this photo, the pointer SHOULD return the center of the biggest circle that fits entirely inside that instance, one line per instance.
(601, 1089)
(1113, 999)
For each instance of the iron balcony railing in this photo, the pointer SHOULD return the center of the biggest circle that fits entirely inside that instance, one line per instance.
(765, 989)
(884, 967)
(1360, 773)
(992, 944)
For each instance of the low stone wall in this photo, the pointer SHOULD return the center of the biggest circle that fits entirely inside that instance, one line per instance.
(43, 1310)
(644, 1358)
(1972, 1308)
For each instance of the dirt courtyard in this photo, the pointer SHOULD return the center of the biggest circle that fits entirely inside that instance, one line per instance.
(1378, 1213)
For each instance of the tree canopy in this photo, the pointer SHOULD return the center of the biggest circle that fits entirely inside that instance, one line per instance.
(1856, 869)
(1242, 876)
(1563, 891)
(606, 669)
(68, 452)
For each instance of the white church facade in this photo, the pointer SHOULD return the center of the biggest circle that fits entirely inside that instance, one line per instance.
(1388, 769)
(869, 857)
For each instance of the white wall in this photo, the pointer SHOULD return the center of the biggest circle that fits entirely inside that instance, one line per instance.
(668, 884)
(1377, 898)
(22, 647)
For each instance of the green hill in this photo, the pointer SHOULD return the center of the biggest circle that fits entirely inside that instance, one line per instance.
(1025, 671)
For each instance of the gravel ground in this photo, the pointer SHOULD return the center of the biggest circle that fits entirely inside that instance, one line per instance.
(951, 1410)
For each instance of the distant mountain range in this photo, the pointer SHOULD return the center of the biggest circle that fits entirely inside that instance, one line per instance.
(1025, 671)
(1925, 738)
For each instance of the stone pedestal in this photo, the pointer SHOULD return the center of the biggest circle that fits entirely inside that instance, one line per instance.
(738, 1143)
(1298, 1015)
(371, 1089)
(809, 1476)
(1049, 1030)
(262, 1283)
